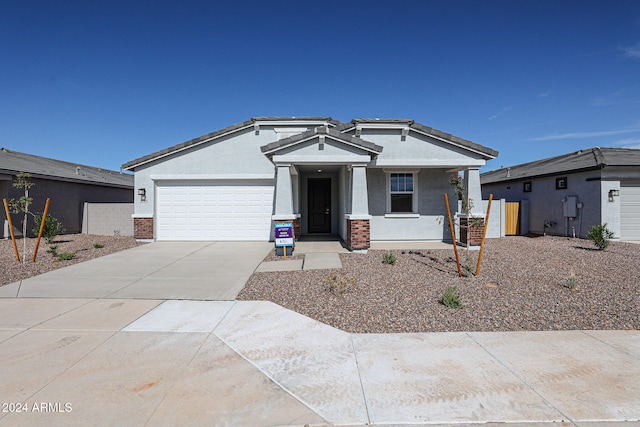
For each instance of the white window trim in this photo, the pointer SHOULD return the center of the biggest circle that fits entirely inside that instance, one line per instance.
(414, 212)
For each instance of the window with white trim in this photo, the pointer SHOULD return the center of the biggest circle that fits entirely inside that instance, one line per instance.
(402, 192)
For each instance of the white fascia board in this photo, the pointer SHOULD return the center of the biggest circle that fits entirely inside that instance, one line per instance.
(210, 177)
(354, 158)
(428, 163)
(292, 123)
(189, 147)
(383, 125)
(447, 141)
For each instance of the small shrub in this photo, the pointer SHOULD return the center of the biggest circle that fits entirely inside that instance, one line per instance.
(468, 271)
(66, 256)
(600, 236)
(450, 298)
(52, 227)
(389, 259)
(98, 246)
(53, 250)
(338, 283)
(572, 282)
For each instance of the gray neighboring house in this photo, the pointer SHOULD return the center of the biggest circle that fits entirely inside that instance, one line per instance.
(364, 180)
(68, 185)
(572, 192)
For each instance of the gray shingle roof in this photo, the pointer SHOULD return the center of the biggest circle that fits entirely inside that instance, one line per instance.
(229, 129)
(13, 162)
(337, 126)
(589, 159)
(321, 130)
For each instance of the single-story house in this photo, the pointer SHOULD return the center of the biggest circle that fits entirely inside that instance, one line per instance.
(566, 195)
(364, 180)
(68, 185)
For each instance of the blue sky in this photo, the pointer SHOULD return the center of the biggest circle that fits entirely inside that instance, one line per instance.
(104, 82)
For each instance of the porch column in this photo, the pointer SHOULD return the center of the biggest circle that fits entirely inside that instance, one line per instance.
(284, 199)
(284, 192)
(358, 221)
(472, 184)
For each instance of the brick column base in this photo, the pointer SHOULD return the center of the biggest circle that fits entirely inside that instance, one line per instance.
(472, 229)
(296, 228)
(143, 228)
(358, 234)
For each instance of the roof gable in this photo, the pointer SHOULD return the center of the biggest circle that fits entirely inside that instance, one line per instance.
(318, 132)
(254, 122)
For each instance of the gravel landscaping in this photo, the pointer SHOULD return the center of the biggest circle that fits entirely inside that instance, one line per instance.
(81, 244)
(524, 284)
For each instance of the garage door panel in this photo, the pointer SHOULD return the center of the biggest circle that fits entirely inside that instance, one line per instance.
(210, 211)
(630, 212)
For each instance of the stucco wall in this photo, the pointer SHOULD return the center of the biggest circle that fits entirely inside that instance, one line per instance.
(418, 150)
(546, 203)
(431, 224)
(235, 155)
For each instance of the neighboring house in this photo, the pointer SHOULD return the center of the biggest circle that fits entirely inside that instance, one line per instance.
(68, 185)
(368, 179)
(570, 193)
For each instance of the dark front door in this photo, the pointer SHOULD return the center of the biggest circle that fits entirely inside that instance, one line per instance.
(319, 191)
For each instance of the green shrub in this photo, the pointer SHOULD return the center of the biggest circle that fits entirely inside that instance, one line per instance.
(98, 245)
(389, 259)
(572, 282)
(53, 250)
(600, 236)
(450, 298)
(52, 227)
(66, 256)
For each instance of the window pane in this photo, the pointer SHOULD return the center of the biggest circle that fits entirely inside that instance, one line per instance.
(409, 182)
(402, 203)
(394, 182)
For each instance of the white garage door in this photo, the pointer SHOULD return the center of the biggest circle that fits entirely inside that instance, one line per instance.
(213, 211)
(630, 212)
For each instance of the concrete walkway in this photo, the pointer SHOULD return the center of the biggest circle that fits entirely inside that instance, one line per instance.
(246, 363)
(161, 270)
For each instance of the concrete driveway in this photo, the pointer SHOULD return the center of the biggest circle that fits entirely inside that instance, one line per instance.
(160, 270)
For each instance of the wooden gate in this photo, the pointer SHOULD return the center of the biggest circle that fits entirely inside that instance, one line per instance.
(512, 219)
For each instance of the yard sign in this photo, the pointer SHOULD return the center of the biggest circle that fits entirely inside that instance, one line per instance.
(284, 235)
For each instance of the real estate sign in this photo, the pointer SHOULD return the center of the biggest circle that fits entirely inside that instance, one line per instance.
(284, 234)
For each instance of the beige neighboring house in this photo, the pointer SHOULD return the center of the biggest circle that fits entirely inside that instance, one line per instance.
(68, 185)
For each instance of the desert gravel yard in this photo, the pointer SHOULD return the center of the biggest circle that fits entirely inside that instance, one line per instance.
(524, 284)
(80, 244)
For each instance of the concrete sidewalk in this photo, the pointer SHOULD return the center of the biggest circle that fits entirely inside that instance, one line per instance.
(249, 363)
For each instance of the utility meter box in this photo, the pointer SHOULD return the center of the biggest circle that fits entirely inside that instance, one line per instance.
(570, 206)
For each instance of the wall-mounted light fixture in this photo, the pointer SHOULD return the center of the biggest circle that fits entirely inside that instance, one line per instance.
(613, 193)
(142, 192)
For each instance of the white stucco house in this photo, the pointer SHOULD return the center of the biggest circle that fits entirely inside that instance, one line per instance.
(565, 195)
(363, 180)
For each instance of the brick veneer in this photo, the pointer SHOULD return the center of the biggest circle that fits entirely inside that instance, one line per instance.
(358, 234)
(473, 228)
(143, 228)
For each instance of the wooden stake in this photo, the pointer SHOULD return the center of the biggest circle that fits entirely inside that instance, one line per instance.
(453, 234)
(13, 237)
(484, 234)
(44, 218)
